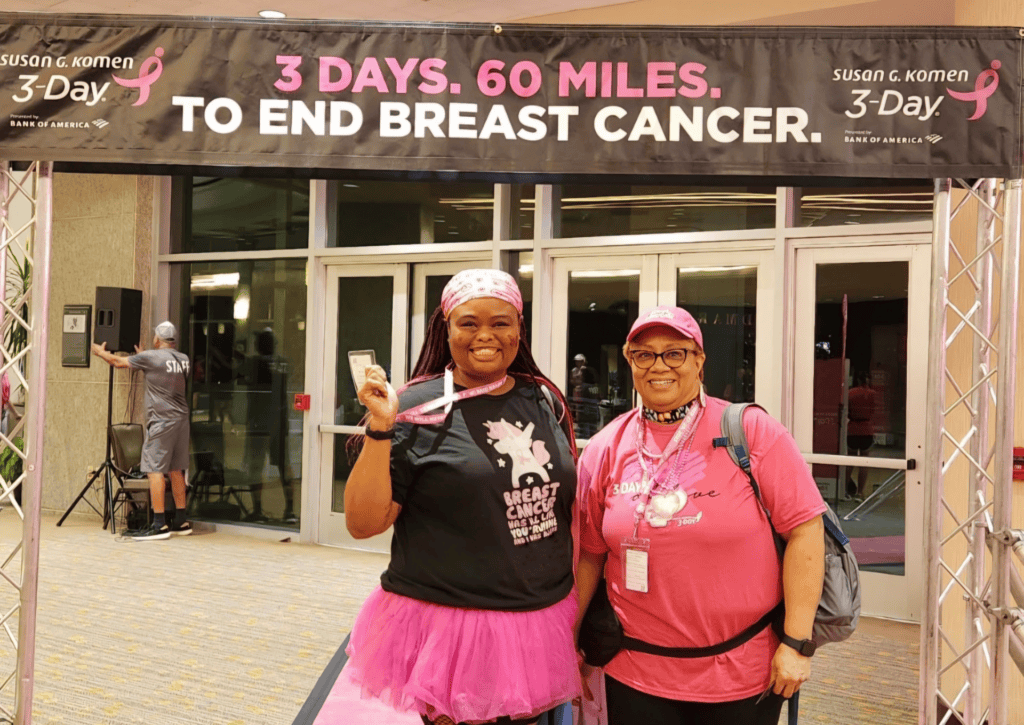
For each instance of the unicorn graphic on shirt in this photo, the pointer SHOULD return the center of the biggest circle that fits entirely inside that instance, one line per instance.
(528, 455)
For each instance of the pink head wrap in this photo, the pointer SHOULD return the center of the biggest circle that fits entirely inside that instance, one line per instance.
(470, 284)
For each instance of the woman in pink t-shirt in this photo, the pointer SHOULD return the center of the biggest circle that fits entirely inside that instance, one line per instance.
(686, 551)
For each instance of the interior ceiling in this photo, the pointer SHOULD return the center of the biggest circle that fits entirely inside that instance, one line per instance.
(386, 10)
(614, 12)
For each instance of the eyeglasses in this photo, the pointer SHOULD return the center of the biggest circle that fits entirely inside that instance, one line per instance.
(644, 359)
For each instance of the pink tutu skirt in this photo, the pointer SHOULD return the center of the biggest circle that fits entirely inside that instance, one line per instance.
(473, 665)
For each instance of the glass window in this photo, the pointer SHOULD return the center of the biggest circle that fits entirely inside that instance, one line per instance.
(524, 197)
(724, 302)
(521, 269)
(594, 211)
(865, 205)
(240, 215)
(246, 323)
(372, 213)
(599, 385)
(365, 307)
(860, 394)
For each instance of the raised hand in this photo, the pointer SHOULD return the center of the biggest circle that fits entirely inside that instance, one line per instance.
(379, 398)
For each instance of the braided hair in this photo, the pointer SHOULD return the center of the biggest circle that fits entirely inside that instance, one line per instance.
(435, 356)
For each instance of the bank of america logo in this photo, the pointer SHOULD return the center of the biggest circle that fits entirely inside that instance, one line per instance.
(933, 138)
(100, 123)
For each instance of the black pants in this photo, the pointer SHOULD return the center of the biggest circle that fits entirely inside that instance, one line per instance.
(627, 706)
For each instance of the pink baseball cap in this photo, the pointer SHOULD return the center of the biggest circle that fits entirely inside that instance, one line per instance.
(675, 318)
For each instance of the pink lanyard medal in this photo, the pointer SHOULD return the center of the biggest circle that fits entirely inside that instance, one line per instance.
(418, 415)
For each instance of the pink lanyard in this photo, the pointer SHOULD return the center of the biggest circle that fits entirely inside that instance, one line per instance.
(416, 415)
(686, 428)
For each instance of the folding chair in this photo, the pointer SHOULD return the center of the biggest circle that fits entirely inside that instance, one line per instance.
(210, 493)
(133, 487)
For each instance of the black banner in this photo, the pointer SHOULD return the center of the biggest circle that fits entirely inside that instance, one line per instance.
(868, 102)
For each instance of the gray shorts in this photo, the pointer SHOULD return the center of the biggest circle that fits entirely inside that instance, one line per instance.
(166, 446)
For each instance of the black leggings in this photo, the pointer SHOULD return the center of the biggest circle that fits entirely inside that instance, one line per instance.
(627, 706)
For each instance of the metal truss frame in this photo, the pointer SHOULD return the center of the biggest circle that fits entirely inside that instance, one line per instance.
(973, 616)
(965, 660)
(23, 310)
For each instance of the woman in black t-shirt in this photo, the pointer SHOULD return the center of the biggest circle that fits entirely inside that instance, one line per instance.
(475, 469)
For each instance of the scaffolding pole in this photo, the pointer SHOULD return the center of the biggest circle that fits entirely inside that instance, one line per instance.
(26, 197)
(969, 613)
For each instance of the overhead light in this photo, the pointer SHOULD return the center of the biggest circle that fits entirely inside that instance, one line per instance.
(351, 186)
(604, 273)
(242, 308)
(699, 270)
(227, 280)
(272, 14)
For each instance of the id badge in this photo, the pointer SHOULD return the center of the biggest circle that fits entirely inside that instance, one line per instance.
(635, 555)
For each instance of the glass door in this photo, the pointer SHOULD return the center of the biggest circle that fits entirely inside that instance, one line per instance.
(367, 309)
(600, 298)
(595, 302)
(384, 308)
(861, 323)
(725, 292)
(429, 280)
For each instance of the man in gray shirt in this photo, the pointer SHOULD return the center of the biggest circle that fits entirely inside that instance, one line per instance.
(165, 450)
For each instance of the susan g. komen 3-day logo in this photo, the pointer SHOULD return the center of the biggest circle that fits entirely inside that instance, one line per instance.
(149, 73)
(984, 86)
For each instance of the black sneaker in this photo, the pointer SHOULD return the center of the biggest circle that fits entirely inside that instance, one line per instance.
(150, 533)
(182, 529)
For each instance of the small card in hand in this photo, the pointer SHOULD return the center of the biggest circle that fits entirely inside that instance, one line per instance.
(358, 361)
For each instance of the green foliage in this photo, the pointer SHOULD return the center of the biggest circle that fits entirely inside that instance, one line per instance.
(19, 274)
(10, 462)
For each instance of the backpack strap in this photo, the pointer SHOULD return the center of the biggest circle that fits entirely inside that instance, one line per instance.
(734, 440)
(552, 402)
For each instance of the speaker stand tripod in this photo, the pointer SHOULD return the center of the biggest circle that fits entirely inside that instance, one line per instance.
(106, 470)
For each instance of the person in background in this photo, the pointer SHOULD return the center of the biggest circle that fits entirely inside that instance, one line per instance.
(472, 622)
(860, 430)
(165, 450)
(582, 381)
(688, 556)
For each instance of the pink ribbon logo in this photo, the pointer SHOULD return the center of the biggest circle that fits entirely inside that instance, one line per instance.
(982, 90)
(148, 75)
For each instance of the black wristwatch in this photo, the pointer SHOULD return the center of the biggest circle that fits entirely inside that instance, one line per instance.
(380, 435)
(806, 647)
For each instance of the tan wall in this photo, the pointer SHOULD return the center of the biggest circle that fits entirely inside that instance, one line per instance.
(102, 237)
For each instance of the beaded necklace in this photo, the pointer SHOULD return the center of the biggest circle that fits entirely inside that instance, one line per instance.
(669, 416)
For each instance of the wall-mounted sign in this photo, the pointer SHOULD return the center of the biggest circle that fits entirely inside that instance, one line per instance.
(869, 102)
(75, 338)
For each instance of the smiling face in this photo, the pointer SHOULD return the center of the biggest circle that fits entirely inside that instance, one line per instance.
(661, 387)
(483, 335)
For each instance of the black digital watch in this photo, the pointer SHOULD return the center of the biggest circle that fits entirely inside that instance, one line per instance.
(806, 647)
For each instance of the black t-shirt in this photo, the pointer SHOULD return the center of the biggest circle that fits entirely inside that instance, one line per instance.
(486, 503)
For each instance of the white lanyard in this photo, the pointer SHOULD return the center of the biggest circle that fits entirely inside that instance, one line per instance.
(416, 415)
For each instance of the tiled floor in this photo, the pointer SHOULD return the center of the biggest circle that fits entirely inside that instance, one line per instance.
(227, 630)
